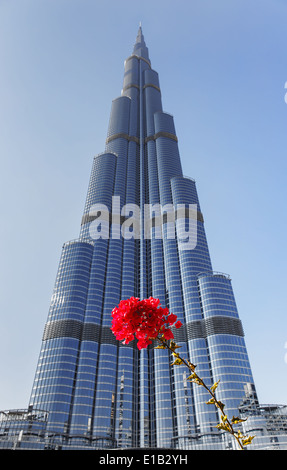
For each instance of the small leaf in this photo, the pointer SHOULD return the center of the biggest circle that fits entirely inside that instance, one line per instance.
(198, 381)
(223, 427)
(173, 346)
(210, 402)
(191, 366)
(177, 362)
(161, 346)
(220, 405)
(220, 426)
(195, 379)
(247, 441)
(191, 377)
(214, 386)
(236, 420)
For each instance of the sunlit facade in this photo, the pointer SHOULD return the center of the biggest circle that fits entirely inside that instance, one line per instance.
(90, 390)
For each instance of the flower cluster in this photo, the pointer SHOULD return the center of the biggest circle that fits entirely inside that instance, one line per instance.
(143, 319)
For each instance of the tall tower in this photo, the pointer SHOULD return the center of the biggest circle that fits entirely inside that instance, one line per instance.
(95, 390)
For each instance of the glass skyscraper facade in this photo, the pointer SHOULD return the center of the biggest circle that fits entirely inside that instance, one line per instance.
(91, 391)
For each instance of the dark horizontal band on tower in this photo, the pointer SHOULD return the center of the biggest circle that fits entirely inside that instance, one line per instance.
(138, 57)
(185, 213)
(161, 134)
(132, 138)
(153, 221)
(216, 325)
(122, 135)
(134, 85)
(74, 329)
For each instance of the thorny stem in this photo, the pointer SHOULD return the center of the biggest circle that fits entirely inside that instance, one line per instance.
(217, 403)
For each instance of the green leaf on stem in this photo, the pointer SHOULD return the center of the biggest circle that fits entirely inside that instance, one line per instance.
(220, 405)
(247, 441)
(223, 427)
(177, 362)
(214, 386)
(191, 366)
(173, 346)
(210, 402)
(236, 420)
(195, 379)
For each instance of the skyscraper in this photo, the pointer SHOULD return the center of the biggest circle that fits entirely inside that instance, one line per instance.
(142, 234)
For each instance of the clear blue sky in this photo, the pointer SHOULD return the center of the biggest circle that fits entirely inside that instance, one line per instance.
(222, 67)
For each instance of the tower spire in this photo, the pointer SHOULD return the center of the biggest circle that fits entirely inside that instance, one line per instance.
(140, 37)
(140, 48)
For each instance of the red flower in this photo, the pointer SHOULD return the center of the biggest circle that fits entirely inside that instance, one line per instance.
(172, 318)
(143, 319)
